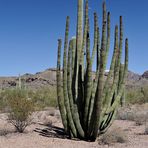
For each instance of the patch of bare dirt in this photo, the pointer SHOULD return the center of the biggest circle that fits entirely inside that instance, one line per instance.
(47, 132)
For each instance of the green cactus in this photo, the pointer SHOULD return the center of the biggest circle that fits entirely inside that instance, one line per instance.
(19, 82)
(88, 104)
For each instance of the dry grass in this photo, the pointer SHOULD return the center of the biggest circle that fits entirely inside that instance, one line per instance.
(146, 129)
(137, 113)
(140, 119)
(114, 135)
(5, 132)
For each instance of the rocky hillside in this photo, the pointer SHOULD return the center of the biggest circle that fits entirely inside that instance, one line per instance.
(136, 80)
(145, 74)
(48, 78)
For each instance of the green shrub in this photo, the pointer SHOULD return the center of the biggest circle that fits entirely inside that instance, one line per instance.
(44, 97)
(20, 103)
(3, 102)
(137, 95)
(137, 113)
(21, 107)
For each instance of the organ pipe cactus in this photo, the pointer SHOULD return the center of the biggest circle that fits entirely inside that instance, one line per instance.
(88, 100)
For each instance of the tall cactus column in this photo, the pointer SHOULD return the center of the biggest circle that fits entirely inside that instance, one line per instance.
(87, 104)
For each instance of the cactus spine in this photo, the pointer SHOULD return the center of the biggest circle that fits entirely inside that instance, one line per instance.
(89, 104)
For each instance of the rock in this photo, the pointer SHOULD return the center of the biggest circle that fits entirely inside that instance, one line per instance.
(12, 83)
(145, 74)
(46, 117)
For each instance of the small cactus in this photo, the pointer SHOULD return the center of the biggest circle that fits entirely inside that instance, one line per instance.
(89, 104)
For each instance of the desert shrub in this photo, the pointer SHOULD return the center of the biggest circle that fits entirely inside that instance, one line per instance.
(131, 116)
(21, 107)
(125, 114)
(137, 95)
(4, 132)
(44, 97)
(20, 103)
(144, 91)
(115, 135)
(3, 100)
(140, 119)
(146, 130)
(136, 113)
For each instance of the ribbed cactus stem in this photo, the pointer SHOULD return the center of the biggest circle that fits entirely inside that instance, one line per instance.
(108, 91)
(59, 89)
(94, 87)
(67, 104)
(73, 107)
(88, 79)
(108, 36)
(79, 35)
(121, 88)
(19, 82)
(73, 48)
(84, 38)
(88, 103)
(95, 37)
(79, 28)
(98, 99)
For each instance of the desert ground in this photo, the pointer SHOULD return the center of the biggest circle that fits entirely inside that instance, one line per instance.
(46, 131)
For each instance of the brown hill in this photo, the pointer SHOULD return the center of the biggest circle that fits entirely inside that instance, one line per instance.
(48, 78)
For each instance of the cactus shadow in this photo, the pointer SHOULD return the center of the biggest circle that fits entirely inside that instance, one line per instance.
(52, 132)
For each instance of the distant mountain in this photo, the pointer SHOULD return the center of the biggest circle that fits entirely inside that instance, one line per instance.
(48, 78)
(136, 80)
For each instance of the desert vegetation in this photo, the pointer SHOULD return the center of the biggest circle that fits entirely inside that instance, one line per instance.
(81, 107)
(41, 98)
(21, 108)
(115, 135)
(137, 95)
(99, 97)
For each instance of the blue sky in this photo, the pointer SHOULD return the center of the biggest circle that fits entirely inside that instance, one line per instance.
(29, 30)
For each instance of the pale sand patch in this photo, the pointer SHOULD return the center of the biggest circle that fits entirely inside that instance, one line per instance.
(32, 139)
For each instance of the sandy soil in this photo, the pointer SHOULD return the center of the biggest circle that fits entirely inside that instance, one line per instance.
(41, 135)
